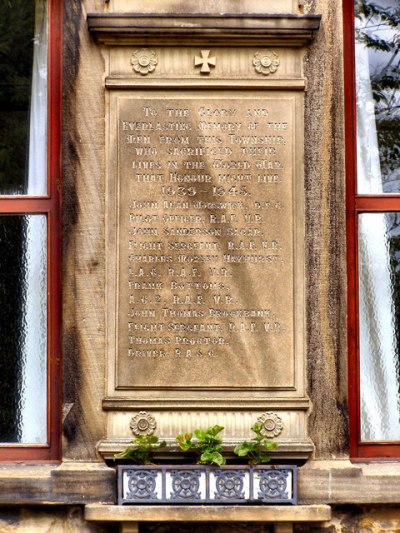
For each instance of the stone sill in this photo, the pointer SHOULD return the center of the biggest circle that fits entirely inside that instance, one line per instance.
(207, 513)
(342, 482)
(68, 483)
(334, 482)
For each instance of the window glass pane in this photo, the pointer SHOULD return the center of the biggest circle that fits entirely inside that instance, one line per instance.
(23, 97)
(378, 95)
(23, 329)
(379, 316)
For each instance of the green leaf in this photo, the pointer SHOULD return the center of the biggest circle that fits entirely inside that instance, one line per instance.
(240, 452)
(214, 430)
(200, 434)
(269, 445)
(218, 459)
(206, 457)
(184, 441)
(257, 428)
(125, 454)
(209, 457)
(185, 446)
(256, 449)
(242, 449)
(184, 438)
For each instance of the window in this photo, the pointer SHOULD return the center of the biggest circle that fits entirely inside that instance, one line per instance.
(372, 82)
(29, 229)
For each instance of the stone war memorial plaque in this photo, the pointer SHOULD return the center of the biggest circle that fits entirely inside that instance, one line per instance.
(205, 211)
(204, 225)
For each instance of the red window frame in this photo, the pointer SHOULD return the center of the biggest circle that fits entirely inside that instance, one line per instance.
(50, 206)
(356, 204)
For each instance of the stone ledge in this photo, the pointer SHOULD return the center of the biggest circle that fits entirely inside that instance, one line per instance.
(341, 482)
(207, 513)
(287, 450)
(209, 7)
(115, 82)
(334, 482)
(68, 483)
(230, 29)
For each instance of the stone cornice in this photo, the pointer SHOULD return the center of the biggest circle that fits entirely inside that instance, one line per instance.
(226, 30)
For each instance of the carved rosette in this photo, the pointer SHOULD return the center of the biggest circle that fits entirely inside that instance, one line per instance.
(143, 424)
(272, 424)
(266, 62)
(144, 61)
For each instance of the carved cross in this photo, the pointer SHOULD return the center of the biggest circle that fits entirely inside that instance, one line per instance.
(205, 61)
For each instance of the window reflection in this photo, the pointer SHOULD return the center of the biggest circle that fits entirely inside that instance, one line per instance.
(23, 97)
(23, 328)
(379, 312)
(378, 95)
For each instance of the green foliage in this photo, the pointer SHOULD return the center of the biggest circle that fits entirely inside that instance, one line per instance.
(372, 10)
(143, 449)
(256, 449)
(389, 144)
(378, 29)
(208, 445)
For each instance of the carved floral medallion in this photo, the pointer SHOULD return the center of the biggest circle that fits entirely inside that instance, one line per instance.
(266, 62)
(144, 61)
(272, 424)
(143, 424)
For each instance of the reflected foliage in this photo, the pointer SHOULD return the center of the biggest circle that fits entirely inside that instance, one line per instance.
(378, 28)
(16, 53)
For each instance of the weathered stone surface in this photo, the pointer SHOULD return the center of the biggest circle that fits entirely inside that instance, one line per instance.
(208, 6)
(208, 527)
(49, 520)
(84, 277)
(208, 513)
(341, 482)
(325, 234)
(70, 483)
(192, 30)
(226, 165)
(352, 519)
(206, 264)
(83, 234)
(331, 482)
(83, 247)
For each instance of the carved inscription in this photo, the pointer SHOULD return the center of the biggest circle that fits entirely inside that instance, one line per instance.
(205, 242)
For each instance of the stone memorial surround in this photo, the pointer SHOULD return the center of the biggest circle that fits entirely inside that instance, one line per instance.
(205, 222)
(328, 476)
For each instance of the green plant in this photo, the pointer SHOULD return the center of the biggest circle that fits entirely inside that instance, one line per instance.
(256, 449)
(208, 445)
(143, 449)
